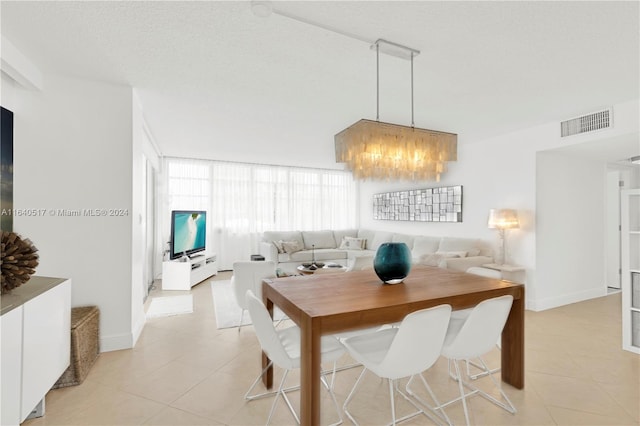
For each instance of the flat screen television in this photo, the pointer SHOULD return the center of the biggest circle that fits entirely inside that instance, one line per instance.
(188, 232)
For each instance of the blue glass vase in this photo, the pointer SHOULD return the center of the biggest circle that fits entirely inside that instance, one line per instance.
(392, 262)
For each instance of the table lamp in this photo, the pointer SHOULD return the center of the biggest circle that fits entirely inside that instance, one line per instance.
(502, 219)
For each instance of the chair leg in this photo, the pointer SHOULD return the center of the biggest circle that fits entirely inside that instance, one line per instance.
(255, 382)
(350, 396)
(333, 397)
(275, 400)
(451, 375)
(433, 396)
(479, 367)
(481, 374)
(268, 393)
(509, 405)
(241, 318)
(435, 409)
(462, 394)
(393, 405)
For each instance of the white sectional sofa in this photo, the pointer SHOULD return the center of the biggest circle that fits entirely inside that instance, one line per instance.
(289, 249)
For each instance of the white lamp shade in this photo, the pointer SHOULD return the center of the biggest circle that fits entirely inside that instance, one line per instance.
(503, 219)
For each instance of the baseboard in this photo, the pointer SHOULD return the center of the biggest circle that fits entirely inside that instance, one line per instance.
(116, 342)
(565, 299)
(137, 329)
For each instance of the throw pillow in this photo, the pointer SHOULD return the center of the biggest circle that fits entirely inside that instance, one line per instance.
(453, 253)
(291, 246)
(439, 258)
(473, 252)
(350, 243)
(279, 247)
(433, 259)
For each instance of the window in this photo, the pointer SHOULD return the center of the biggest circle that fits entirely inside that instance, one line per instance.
(244, 200)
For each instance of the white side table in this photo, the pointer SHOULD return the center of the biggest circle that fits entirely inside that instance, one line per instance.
(515, 273)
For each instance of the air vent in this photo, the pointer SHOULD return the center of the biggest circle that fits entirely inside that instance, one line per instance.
(587, 123)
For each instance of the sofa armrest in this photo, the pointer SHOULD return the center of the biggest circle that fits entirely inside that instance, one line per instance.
(463, 263)
(269, 251)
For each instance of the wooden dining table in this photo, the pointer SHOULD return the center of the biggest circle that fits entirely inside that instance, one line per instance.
(332, 303)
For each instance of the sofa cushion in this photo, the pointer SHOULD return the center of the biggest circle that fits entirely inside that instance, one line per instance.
(460, 253)
(291, 246)
(368, 235)
(339, 235)
(380, 238)
(424, 245)
(269, 236)
(278, 246)
(320, 255)
(319, 239)
(403, 238)
(433, 259)
(349, 243)
(352, 254)
(450, 244)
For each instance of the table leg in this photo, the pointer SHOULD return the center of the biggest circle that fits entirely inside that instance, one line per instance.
(309, 373)
(513, 346)
(267, 377)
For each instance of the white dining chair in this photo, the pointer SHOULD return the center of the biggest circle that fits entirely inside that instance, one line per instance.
(248, 275)
(473, 337)
(463, 314)
(283, 349)
(407, 350)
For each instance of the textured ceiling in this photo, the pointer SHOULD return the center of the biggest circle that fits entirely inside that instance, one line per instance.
(216, 81)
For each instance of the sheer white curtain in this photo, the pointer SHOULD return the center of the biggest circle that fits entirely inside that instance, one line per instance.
(244, 200)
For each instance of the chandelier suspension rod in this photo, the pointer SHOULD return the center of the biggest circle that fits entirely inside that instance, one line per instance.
(377, 82)
(412, 123)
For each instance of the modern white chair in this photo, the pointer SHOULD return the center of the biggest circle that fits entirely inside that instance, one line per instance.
(464, 314)
(473, 337)
(283, 349)
(407, 350)
(248, 275)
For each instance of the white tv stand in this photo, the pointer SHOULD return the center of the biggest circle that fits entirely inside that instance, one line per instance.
(179, 275)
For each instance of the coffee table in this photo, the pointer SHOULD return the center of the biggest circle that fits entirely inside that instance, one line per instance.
(324, 270)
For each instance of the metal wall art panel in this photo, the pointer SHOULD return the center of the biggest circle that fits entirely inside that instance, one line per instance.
(442, 204)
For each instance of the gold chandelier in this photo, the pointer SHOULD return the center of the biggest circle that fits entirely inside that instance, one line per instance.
(378, 150)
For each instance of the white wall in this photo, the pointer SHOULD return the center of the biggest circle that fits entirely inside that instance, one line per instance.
(490, 179)
(501, 173)
(73, 150)
(571, 229)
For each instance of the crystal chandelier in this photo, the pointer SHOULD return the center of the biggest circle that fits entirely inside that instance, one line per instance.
(378, 150)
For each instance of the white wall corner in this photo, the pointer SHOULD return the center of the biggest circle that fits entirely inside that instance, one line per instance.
(19, 68)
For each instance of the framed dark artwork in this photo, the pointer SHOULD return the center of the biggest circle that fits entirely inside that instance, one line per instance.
(443, 204)
(6, 170)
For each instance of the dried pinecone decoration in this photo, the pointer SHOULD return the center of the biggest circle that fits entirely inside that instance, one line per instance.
(18, 260)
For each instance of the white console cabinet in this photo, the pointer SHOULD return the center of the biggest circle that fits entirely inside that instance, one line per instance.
(36, 340)
(180, 275)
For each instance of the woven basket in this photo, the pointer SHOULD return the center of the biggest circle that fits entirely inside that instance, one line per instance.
(85, 338)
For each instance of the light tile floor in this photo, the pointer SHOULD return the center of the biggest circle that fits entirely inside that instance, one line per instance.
(184, 371)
